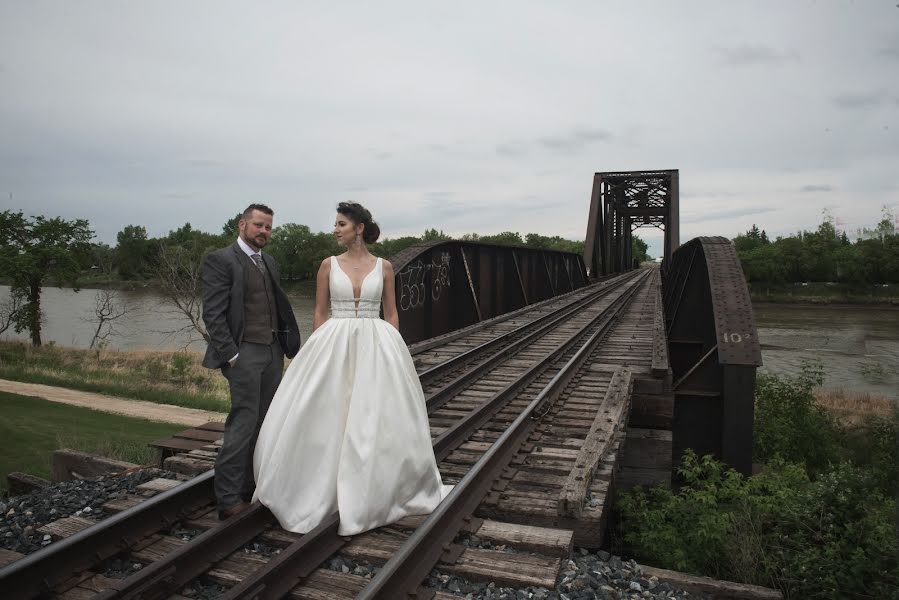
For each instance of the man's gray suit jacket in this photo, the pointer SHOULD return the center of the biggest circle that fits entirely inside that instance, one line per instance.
(223, 276)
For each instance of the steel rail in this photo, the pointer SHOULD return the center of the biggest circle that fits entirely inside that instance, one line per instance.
(464, 427)
(163, 577)
(401, 575)
(437, 341)
(30, 576)
(454, 362)
(270, 584)
(438, 398)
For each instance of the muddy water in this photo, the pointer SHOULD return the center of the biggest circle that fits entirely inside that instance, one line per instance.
(857, 345)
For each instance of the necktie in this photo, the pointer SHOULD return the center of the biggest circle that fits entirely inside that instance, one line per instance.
(257, 258)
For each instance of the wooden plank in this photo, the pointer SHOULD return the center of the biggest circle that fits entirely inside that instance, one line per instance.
(546, 541)
(160, 484)
(213, 426)
(189, 466)
(199, 434)
(177, 444)
(97, 583)
(373, 547)
(9, 556)
(120, 504)
(235, 568)
(597, 444)
(324, 584)
(63, 528)
(505, 568)
(714, 588)
(158, 549)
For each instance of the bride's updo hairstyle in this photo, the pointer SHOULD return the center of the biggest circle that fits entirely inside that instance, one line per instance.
(359, 214)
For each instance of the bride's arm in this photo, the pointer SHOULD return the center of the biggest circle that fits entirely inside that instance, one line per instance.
(322, 294)
(389, 296)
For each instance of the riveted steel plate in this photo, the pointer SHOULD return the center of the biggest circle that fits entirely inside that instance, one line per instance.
(738, 342)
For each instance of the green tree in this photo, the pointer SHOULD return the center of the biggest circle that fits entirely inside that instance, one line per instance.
(638, 249)
(299, 251)
(751, 240)
(35, 250)
(388, 248)
(133, 251)
(432, 235)
(506, 238)
(229, 229)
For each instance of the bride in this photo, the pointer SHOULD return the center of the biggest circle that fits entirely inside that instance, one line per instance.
(348, 428)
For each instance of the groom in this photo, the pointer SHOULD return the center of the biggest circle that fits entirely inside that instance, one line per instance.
(251, 328)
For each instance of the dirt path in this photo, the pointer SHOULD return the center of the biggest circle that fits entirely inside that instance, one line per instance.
(165, 413)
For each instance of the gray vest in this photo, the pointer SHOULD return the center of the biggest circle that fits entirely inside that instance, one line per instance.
(260, 312)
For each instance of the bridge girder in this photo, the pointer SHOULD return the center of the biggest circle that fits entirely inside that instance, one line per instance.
(444, 286)
(622, 202)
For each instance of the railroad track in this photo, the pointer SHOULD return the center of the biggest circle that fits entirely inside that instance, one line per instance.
(526, 417)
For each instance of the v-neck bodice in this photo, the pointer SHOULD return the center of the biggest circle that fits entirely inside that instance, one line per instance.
(345, 304)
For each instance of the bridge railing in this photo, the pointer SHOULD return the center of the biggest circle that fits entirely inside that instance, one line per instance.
(714, 351)
(443, 286)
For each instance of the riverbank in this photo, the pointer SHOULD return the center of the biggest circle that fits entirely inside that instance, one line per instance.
(170, 378)
(302, 289)
(824, 293)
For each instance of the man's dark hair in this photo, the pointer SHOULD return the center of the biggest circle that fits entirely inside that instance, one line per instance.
(260, 207)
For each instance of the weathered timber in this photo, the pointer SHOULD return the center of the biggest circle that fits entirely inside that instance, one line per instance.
(183, 463)
(120, 504)
(324, 584)
(504, 568)
(235, 568)
(714, 588)
(373, 547)
(596, 445)
(63, 528)
(24, 483)
(72, 464)
(546, 541)
(160, 484)
(8, 556)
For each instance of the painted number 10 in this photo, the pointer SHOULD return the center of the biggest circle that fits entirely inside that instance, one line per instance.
(731, 338)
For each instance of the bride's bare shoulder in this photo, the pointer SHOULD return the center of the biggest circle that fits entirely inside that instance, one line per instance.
(387, 267)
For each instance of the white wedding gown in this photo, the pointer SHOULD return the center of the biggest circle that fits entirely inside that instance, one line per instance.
(348, 427)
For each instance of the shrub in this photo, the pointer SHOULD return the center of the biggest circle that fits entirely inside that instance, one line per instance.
(829, 538)
(791, 425)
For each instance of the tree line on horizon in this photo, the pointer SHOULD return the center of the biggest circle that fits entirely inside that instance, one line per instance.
(822, 255)
(37, 251)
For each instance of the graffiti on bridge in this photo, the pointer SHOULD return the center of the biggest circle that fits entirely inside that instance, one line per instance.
(417, 278)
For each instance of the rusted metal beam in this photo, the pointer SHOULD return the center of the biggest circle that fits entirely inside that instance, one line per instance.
(621, 203)
(444, 286)
(714, 351)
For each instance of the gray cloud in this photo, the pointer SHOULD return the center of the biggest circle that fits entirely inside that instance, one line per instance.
(576, 140)
(727, 214)
(754, 54)
(511, 149)
(861, 100)
(205, 163)
(816, 188)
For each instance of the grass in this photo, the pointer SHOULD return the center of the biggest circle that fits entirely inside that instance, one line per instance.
(853, 409)
(163, 377)
(32, 428)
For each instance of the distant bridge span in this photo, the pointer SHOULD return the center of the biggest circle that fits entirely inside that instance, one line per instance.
(705, 384)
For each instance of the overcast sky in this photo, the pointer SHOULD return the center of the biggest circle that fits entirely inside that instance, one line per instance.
(464, 116)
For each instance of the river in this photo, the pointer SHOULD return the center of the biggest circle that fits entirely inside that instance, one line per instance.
(857, 345)
(150, 323)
